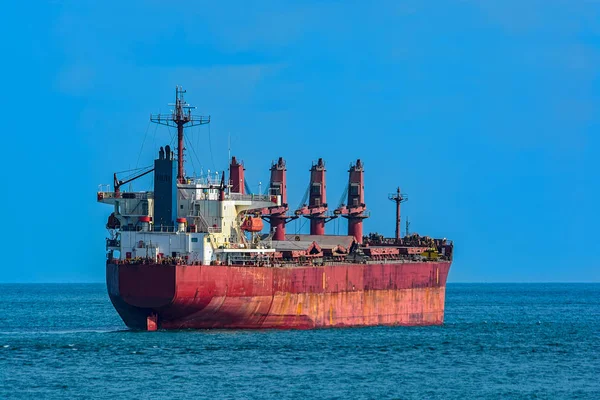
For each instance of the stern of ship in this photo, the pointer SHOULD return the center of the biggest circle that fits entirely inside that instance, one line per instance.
(138, 291)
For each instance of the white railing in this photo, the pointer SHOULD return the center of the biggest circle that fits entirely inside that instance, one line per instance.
(252, 197)
(126, 195)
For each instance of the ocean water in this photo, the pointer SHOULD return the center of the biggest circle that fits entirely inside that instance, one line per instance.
(499, 341)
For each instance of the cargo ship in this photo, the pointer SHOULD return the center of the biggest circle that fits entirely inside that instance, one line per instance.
(191, 253)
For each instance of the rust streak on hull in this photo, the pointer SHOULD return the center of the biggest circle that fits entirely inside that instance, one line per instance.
(243, 297)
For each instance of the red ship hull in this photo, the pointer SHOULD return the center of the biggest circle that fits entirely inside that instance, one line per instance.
(249, 297)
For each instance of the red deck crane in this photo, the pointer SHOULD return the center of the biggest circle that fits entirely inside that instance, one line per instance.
(316, 210)
(355, 209)
(277, 216)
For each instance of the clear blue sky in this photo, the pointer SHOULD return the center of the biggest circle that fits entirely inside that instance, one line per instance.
(485, 112)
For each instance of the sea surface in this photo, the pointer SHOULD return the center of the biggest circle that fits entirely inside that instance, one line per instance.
(499, 341)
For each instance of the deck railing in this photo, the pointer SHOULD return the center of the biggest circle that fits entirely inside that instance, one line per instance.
(126, 195)
(252, 197)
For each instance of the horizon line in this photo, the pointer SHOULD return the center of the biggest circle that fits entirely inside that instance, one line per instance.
(451, 283)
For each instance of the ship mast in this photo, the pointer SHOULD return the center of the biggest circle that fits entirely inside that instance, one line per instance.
(180, 117)
(398, 198)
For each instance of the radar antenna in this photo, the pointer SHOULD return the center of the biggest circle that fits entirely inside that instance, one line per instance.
(180, 117)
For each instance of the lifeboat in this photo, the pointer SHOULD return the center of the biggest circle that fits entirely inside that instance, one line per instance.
(252, 224)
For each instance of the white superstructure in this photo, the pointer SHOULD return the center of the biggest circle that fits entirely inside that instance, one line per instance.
(208, 226)
(186, 220)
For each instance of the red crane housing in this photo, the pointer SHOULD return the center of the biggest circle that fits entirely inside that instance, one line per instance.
(277, 216)
(316, 210)
(355, 208)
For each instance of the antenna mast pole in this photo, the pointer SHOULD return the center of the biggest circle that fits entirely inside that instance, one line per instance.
(398, 198)
(179, 118)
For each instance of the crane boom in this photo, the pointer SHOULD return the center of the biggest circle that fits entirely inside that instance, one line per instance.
(117, 183)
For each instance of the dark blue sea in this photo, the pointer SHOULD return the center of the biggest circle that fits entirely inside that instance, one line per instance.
(499, 341)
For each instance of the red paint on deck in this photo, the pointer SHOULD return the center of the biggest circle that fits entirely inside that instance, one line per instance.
(279, 297)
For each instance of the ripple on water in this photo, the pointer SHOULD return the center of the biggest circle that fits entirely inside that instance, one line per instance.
(498, 341)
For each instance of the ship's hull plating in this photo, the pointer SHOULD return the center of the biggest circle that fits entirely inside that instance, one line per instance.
(248, 297)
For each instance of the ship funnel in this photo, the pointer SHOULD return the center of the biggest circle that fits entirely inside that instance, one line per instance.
(165, 205)
(236, 176)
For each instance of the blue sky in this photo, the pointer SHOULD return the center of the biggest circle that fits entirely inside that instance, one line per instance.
(486, 113)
